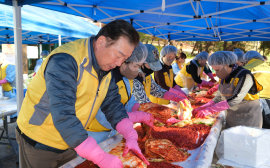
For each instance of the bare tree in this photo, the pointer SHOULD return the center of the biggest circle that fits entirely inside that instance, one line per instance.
(195, 46)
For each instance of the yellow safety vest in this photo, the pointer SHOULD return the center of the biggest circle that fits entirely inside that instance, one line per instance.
(248, 96)
(168, 80)
(38, 125)
(147, 88)
(95, 126)
(6, 86)
(261, 72)
(184, 79)
(178, 63)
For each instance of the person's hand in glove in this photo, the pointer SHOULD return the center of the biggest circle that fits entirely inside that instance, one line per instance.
(199, 85)
(174, 97)
(176, 87)
(90, 150)
(125, 128)
(3, 81)
(140, 116)
(135, 107)
(205, 83)
(223, 105)
(196, 110)
(177, 92)
(211, 77)
(213, 89)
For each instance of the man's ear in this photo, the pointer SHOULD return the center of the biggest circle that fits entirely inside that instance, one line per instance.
(101, 42)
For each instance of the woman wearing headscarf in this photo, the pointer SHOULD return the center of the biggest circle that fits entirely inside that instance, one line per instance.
(192, 72)
(240, 56)
(145, 89)
(165, 76)
(261, 71)
(179, 62)
(100, 128)
(237, 93)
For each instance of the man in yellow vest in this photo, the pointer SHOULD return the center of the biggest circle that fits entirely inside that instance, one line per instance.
(7, 76)
(261, 71)
(63, 98)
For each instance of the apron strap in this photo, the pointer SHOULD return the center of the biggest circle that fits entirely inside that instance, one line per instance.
(237, 75)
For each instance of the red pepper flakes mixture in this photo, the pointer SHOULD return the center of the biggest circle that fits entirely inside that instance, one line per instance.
(87, 164)
(162, 165)
(189, 137)
(186, 137)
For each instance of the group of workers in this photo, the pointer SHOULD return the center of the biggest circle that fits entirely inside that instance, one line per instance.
(87, 90)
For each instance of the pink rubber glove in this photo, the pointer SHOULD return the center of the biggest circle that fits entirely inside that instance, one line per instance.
(213, 89)
(90, 150)
(210, 75)
(199, 85)
(135, 107)
(173, 120)
(125, 128)
(140, 116)
(223, 105)
(182, 94)
(196, 110)
(176, 87)
(3, 81)
(171, 96)
(205, 83)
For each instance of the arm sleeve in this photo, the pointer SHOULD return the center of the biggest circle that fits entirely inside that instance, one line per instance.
(112, 107)
(156, 90)
(194, 73)
(218, 97)
(175, 68)
(241, 90)
(207, 69)
(160, 80)
(139, 92)
(61, 83)
(130, 103)
(10, 71)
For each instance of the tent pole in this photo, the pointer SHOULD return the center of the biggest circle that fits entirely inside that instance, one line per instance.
(40, 48)
(59, 40)
(18, 55)
(18, 52)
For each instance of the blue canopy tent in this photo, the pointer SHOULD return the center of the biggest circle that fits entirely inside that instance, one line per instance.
(189, 20)
(32, 24)
(44, 26)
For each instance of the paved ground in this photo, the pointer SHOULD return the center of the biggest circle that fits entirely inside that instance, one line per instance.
(8, 158)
